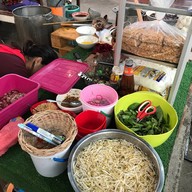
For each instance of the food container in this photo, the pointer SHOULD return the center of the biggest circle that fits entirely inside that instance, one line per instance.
(19, 107)
(89, 122)
(58, 77)
(99, 93)
(87, 41)
(72, 93)
(157, 100)
(49, 161)
(70, 9)
(42, 106)
(80, 16)
(86, 30)
(115, 134)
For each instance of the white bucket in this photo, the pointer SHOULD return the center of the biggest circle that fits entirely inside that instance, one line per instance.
(92, 91)
(51, 166)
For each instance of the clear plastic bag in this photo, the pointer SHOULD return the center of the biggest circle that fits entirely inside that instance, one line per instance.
(154, 39)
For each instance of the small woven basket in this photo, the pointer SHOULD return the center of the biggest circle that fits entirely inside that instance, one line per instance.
(54, 121)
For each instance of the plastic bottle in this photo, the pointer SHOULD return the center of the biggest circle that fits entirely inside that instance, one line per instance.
(127, 82)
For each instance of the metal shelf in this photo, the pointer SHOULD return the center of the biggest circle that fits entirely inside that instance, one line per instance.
(124, 4)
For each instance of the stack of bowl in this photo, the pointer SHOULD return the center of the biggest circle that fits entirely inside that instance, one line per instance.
(89, 122)
(87, 38)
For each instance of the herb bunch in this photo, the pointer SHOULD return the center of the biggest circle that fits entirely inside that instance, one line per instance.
(150, 125)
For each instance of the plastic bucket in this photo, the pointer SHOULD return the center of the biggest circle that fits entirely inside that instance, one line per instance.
(91, 92)
(90, 121)
(69, 9)
(29, 22)
(51, 166)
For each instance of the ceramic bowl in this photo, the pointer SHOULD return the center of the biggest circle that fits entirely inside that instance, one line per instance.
(72, 93)
(80, 16)
(86, 30)
(86, 41)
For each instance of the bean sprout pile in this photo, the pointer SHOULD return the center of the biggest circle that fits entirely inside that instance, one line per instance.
(114, 165)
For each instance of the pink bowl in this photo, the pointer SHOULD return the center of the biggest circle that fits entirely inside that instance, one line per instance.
(80, 16)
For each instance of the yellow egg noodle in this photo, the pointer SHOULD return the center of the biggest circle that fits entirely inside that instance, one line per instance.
(114, 165)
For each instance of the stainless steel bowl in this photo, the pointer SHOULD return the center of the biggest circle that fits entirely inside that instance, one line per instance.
(116, 134)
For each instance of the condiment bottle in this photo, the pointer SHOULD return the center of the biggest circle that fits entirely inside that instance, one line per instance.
(127, 81)
(114, 77)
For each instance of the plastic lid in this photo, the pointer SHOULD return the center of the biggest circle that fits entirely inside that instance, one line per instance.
(60, 75)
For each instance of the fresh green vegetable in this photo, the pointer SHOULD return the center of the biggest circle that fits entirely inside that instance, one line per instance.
(150, 125)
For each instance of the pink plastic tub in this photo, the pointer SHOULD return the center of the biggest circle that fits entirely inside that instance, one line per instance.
(15, 82)
(91, 92)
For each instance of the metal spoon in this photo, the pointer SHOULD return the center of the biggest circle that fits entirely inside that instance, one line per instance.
(71, 103)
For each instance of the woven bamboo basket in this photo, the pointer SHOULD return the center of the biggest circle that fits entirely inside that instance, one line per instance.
(54, 121)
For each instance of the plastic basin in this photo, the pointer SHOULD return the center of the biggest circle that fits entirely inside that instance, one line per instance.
(19, 107)
(106, 92)
(124, 102)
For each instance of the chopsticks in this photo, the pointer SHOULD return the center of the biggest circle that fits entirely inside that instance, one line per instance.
(75, 24)
(69, 22)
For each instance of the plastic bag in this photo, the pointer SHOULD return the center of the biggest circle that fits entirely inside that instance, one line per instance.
(184, 22)
(153, 76)
(154, 39)
(9, 134)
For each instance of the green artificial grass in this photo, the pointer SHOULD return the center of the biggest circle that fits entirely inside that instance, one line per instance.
(165, 149)
(16, 165)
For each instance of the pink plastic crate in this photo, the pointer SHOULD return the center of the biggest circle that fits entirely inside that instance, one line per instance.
(19, 107)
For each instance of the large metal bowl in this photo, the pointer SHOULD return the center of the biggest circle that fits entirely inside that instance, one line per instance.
(116, 134)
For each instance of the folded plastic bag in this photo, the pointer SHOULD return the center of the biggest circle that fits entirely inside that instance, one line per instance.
(9, 135)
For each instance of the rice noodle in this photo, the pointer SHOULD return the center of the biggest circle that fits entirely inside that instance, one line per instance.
(114, 165)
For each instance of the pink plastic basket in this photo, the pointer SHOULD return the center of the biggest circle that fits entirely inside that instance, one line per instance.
(30, 88)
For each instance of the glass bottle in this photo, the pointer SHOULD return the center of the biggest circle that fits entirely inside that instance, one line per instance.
(127, 81)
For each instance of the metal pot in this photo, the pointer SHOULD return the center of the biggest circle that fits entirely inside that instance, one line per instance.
(116, 134)
(29, 24)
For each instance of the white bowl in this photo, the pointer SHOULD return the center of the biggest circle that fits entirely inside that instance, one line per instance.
(149, 15)
(72, 93)
(80, 16)
(86, 30)
(86, 41)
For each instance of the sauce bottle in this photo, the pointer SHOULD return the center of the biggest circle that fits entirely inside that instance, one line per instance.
(127, 82)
